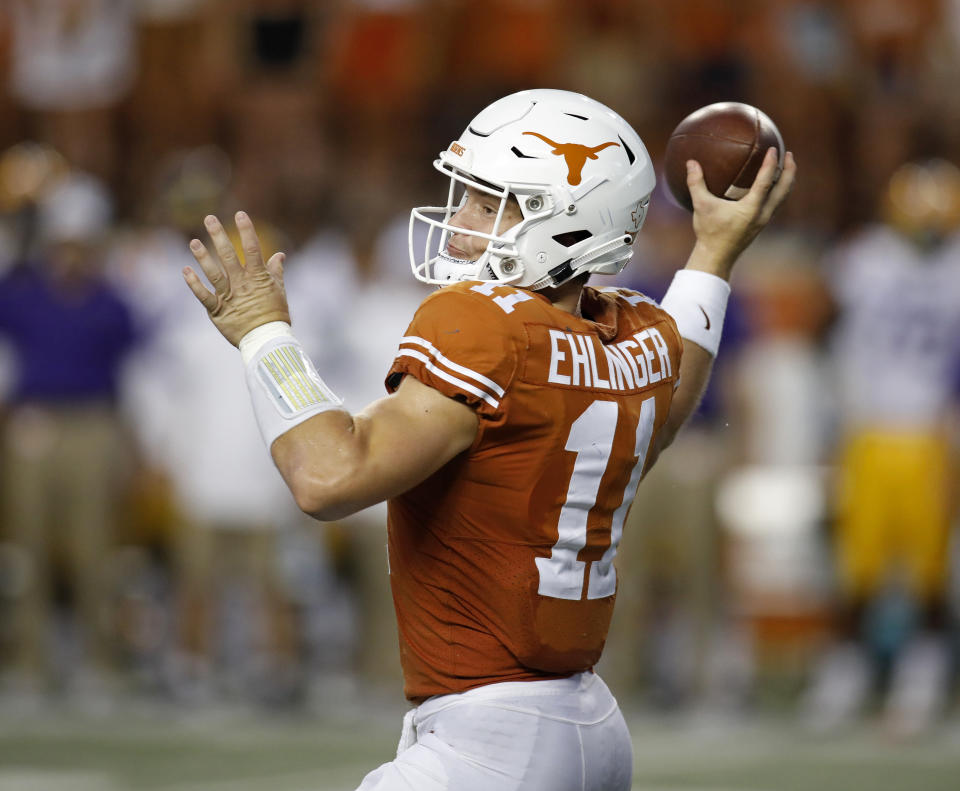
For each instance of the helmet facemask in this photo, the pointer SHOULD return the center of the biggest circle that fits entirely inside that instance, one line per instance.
(500, 260)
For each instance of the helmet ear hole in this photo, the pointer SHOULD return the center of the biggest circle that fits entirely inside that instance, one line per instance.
(534, 203)
(570, 238)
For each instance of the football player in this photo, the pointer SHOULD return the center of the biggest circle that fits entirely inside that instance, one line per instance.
(524, 408)
(896, 284)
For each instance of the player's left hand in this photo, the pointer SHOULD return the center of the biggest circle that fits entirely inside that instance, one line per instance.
(245, 295)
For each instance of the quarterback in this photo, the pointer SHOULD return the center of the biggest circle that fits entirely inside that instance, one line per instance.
(523, 409)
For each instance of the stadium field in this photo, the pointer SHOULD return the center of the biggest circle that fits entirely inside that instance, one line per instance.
(223, 750)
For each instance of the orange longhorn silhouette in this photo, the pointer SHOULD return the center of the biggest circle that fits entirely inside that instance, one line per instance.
(574, 154)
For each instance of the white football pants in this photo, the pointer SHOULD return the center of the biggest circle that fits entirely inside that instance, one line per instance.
(558, 735)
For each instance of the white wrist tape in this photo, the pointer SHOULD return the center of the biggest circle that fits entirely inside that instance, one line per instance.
(698, 302)
(254, 340)
(284, 386)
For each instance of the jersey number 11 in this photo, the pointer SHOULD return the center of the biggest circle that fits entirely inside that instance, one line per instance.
(591, 438)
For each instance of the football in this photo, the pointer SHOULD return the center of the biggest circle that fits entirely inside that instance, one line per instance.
(729, 140)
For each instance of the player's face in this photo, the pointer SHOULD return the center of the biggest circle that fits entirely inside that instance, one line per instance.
(478, 213)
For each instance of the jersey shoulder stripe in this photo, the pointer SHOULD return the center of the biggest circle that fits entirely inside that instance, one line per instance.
(461, 369)
(629, 295)
(447, 377)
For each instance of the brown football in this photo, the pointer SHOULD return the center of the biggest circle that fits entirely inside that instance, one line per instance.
(729, 140)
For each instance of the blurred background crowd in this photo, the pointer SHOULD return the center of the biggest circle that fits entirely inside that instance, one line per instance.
(792, 551)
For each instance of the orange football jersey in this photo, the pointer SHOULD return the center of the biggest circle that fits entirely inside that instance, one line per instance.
(501, 563)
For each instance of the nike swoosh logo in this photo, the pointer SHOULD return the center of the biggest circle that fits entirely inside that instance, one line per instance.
(705, 316)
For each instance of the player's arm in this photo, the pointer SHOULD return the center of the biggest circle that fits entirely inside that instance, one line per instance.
(698, 295)
(334, 462)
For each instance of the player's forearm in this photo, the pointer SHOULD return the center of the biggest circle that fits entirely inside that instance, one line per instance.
(695, 368)
(314, 441)
(697, 300)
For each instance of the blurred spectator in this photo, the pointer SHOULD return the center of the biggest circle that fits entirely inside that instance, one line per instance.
(771, 498)
(186, 69)
(274, 105)
(234, 631)
(28, 170)
(779, 388)
(377, 70)
(896, 349)
(708, 61)
(73, 62)
(63, 449)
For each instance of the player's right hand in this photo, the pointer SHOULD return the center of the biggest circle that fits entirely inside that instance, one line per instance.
(245, 295)
(725, 228)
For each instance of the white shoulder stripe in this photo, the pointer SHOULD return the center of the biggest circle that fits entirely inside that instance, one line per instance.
(452, 365)
(631, 296)
(449, 377)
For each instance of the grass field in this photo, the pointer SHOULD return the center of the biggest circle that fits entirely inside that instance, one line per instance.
(221, 750)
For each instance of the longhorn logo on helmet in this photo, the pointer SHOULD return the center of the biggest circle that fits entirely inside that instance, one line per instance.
(575, 155)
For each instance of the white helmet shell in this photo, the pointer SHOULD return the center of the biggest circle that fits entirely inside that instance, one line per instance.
(581, 176)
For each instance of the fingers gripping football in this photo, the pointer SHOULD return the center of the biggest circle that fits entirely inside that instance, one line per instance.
(727, 227)
(781, 188)
(245, 295)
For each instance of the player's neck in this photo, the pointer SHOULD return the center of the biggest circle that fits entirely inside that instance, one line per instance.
(567, 297)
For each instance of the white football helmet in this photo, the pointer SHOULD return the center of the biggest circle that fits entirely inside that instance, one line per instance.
(580, 173)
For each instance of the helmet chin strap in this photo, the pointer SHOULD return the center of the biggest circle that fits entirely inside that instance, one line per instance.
(620, 243)
(452, 270)
(579, 265)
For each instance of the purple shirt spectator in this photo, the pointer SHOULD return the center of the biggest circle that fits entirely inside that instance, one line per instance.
(67, 344)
